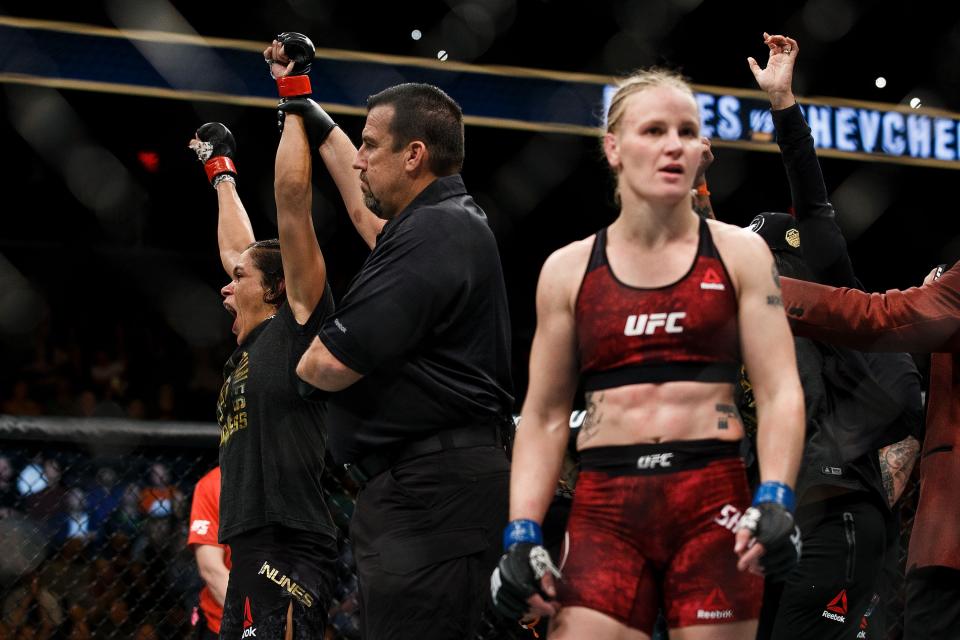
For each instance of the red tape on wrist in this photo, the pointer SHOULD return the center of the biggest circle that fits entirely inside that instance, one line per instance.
(218, 165)
(291, 86)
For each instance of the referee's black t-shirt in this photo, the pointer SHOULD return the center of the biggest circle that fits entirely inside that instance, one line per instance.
(426, 323)
(272, 441)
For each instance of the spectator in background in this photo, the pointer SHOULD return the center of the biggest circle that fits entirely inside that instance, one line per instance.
(103, 499)
(64, 401)
(117, 623)
(76, 518)
(8, 490)
(159, 496)
(128, 519)
(166, 408)
(44, 505)
(30, 606)
(136, 409)
(213, 558)
(69, 575)
(108, 374)
(20, 402)
(86, 406)
(30, 480)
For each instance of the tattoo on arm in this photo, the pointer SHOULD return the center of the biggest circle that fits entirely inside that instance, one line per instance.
(727, 412)
(775, 301)
(591, 422)
(776, 275)
(896, 464)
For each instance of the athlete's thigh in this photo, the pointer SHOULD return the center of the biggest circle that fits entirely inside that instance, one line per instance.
(577, 623)
(604, 568)
(702, 585)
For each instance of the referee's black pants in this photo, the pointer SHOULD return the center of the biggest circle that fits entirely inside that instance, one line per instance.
(426, 537)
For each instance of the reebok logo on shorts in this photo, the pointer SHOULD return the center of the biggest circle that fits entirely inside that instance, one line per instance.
(249, 631)
(716, 607)
(837, 608)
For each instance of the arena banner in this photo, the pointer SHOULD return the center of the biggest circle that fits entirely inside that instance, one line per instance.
(191, 67)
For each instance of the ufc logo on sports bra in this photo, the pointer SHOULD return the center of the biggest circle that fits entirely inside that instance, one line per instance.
(647, 324)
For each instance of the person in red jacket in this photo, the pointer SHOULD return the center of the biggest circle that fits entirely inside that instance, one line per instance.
(213, 558)
(921, 319)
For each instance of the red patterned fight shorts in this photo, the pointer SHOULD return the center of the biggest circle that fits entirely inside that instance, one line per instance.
(652, 526)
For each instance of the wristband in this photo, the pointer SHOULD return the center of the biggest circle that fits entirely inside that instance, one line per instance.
(522, 531)
(702, 190)
(777, 492)
(223, 177)
(218, 165)
(293, 86)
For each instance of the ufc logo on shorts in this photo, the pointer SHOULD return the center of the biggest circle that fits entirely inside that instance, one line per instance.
(654, 460)
(647, 324)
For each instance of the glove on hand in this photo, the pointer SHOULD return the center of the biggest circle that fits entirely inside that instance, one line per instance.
(772, 525)
(517, 577)
(317, 122)
(298, 48)
(215, 148)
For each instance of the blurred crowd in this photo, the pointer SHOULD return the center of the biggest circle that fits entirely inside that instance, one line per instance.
(97, 550)
(127, 370)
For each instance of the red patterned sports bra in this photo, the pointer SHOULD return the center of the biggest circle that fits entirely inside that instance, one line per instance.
(682, 331)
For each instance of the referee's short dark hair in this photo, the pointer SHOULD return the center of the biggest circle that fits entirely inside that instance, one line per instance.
(424, 112)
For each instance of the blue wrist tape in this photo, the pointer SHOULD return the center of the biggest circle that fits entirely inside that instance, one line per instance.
(778, 492)
(522, 531)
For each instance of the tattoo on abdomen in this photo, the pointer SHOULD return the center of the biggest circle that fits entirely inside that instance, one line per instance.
(591, 422)
(729, 412)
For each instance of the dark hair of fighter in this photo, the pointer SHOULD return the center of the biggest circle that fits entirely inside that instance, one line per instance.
(266, 257)
(424, 112)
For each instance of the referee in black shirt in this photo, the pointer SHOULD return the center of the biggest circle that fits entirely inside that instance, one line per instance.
(418, 353)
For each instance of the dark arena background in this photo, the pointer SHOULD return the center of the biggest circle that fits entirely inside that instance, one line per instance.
(112, 331)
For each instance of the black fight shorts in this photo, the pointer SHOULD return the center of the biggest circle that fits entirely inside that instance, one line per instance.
(275, 567)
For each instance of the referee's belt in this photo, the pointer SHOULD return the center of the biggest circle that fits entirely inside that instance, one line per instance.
(375, 463)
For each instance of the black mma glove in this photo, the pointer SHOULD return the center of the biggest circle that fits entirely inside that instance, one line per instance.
(215, 148)
(299, 49)
(771, 522)
(317, 122)
(518, 574)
